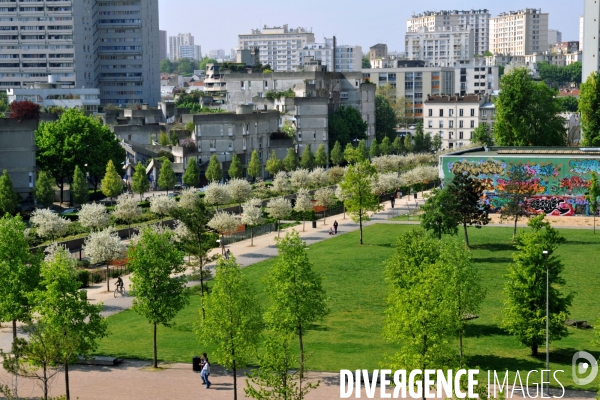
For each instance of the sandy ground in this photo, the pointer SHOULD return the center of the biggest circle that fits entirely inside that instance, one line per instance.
(571, 222)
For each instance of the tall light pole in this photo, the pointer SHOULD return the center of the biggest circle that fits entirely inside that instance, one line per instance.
(545, 253)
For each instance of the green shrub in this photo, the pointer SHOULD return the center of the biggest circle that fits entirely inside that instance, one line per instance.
(84, 278)
(97, 278)
(71, 217)
(83, 263)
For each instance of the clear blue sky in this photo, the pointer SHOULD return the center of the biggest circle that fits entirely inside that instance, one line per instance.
(216, 24)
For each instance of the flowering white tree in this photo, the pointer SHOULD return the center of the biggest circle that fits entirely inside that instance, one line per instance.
(281, 183)
(319, 177)
(162, 205)
(49, 224)
(240, 190)
(343, 196)
(387, 182)
(127, 210)
(216, 194)
(103, 247)
(279, 208)
(187, 198)
(300, 178)
(325, 197)
(223, 222)
(252, 215)
(336, 174)
(303, 204)
(93, 216)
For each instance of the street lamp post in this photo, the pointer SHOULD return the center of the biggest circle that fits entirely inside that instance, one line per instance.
(545, 253)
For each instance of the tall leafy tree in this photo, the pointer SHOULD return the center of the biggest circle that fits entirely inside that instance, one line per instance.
(345, 125)
(362, 150)
(569, 103)
(527, 112)
(19, 272)
(374, 149)
(296, 293)
(398, 145)
(482, 136)
(589, 107)
(308, 159)
(525, 287)
(214, 171)
(337, 155)
(233, 321)
(358, 194)
(166, 176)
(468, 192)
(419, 139)
(154, 258)
(386, 146)
(76, 139)
(385, 118)
(140, 183)
(517, 188)
(254, 166)
(592, 197)
(436, 143)
(61, 306)
(321, 156)
(440, 213)
(9, 199)
(191, 176)
(290, 162)
(112, 184)
(274, 164)
(44, 189)
(236, 169)
(408, 144)
(79, 187)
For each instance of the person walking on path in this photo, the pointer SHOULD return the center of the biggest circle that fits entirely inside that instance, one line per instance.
(206, 372)
(227, 254)
(335, 225)
(392, 200)
(203, 361)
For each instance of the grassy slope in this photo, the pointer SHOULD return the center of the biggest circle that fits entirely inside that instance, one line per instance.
(350, 337)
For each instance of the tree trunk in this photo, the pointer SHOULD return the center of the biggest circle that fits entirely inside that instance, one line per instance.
(45, 382)
(515, 227)
(303, 225)
(234, 381)
(14, 326)
(360, 225)
(301, 373)
(107, 278)
(278, 227)
(466, 235)
(62, 189)
(344, 211)
(534, 349)
(594, 223)
(67, 391)
(154, 360)
(460, 347)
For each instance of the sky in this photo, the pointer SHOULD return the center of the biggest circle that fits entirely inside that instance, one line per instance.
(215, 25)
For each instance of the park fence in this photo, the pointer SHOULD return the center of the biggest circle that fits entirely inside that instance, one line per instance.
(256, 231)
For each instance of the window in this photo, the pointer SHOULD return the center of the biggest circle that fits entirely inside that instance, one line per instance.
(451, 112)
(472, 124)
(460, 124)
(460, 112)
(242, 85)
(430, 123)
(483, 113)
(450, 124)
(460, 135)
(441, 112)
(431, 112)
(230, 130)
(441, 124)
(472, 112)
(441, 134)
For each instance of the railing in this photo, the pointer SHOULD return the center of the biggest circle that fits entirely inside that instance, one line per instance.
(329, 212)
(257, 231)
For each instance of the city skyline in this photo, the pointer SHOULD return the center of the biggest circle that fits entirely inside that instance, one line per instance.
(363, 27)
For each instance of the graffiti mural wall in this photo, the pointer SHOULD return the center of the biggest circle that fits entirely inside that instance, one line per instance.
(559, 184)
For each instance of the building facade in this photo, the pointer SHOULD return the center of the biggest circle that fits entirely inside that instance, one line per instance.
(347, 58)
(442, 47)
(476, 78)
(162, 45)
(519, 32)
(192, 52)
(554, 37)
(56, 95)
(591, 38)
(453, 118)
(17, 153)
(175, 42)
(475, 20)
(279, 47)
(85, 43)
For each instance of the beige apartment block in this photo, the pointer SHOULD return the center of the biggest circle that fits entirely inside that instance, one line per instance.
(519, 33)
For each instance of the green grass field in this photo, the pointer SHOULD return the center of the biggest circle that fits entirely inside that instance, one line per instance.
(350, 337)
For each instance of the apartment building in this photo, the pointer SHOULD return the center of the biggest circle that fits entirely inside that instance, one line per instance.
(279, 47)
(476, 78)
(162, 45)
(192, 52)
(519, 32)
(175, 42)
(17, 153)
(591, 38)
(414, 84)
(347, 58)
(442, 47)
(475, 20)
(51, 94)
(581, 32)
(453, 118)
(554, 37)
(380, 50)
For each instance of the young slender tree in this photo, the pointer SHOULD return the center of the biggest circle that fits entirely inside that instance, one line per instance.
(216, 194)
(440, 213)
(44, 189)
(252, 216)
(303, 204)
(279, 208)
(162, 205)
(518, 187)
(374, 149)
(224, 223)
(140, 183)
(337, 155)
(61, 306)
(112, 184)
(290, 162)
(524, 315)
(296, 293)
(254, 166)
(191, 176)
(589, 103)
(325, 197)
(240, 191)
(48, 224)
(358, 194)
(154, 258)
(321, 156)
(79, 187)
(274, 164)
(213, 171)
(166, 176)
(352, 155)
(233, 321)
(592, 197)
(94, 216)
(9, 199)
(468, 192)
(362, 150)
(482, 136)
(408, 144)
(308, 159)
(236, 169)
(397, 146)
(103, 247)
(386, 146)
(127, 210)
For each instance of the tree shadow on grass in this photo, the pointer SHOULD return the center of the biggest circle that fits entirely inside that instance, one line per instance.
(498, 363)
(494, 247)
(319, 328)
(494, 260)
(478, 330)
(565, 355)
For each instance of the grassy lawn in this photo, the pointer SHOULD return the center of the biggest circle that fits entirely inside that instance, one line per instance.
(350, 337)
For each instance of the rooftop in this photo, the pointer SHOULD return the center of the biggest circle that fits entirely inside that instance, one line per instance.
(453, 99)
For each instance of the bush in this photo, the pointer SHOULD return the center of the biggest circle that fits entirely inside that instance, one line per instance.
(144, 204)
(307, 216)
(24, 110)
(71, 216)
(75, 228)
(97, 278)
(84, 278)
(83, 263)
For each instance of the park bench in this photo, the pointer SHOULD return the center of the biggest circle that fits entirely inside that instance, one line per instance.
(578, 324)
(99, 360)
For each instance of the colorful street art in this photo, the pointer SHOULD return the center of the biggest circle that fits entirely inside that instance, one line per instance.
(559, 184)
